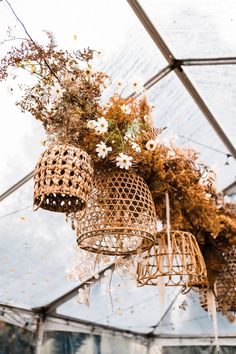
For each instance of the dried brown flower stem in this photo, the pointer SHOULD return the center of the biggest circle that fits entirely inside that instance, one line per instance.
(35, 44)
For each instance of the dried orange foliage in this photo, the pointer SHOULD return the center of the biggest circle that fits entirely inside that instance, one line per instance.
(227, 215)
(66, 93)
(66, 97)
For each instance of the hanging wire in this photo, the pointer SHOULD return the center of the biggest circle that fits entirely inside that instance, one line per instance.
(15, 212)
(168, 224)
(228, 155)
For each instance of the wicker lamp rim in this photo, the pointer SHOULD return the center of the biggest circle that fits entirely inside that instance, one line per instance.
(66, 146)
(159, 234)
(174, 231)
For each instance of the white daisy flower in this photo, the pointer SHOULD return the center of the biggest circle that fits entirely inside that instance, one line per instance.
(101, 126)
(100, 54)
(92, 124)
(137, 86)
(126, 109)
(151, 145)
(135, 146)
(102, 150)
(119, 83)
(124, 161)
(56, 92)
(128, 136)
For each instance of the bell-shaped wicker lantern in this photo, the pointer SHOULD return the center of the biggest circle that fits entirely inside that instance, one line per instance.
(184, 266)
(119, 217)
(63, 179)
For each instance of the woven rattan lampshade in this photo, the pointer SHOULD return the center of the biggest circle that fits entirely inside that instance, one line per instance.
(225, 295)
(184, 267)
(225, 284)
(119, 217)
(63, 179)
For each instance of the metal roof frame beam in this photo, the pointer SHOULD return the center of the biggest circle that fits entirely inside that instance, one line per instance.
(160, 43)
(230, 189)
(207, 61)
(93, 326)
(16, 186)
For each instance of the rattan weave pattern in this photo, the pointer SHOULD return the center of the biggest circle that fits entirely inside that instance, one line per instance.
(63, 178)
(184, 267)
(225, 284)
(119, 216)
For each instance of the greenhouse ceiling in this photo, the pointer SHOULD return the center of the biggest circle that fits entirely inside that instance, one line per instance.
(185, 54)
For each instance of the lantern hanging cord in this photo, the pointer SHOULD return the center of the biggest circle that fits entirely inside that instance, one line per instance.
(15, 211)
(168, 224)
(228, 155)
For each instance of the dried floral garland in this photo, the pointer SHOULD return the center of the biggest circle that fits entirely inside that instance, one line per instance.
(66, 97)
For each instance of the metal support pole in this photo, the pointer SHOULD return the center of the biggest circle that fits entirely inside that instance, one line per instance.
(168, 55)
(39, 335)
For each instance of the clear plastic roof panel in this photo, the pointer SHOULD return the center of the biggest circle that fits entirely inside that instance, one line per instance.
(122, 304)
(195, 29)
(217, 86)
(187, 126)
(187, 317)
(36, 247)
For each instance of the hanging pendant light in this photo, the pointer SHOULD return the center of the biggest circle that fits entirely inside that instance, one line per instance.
(63, 179)
(175, 258)
(225, 283)
(185, 265)
(119, 217)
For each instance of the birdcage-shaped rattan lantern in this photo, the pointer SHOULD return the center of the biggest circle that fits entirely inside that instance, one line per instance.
(119, 217)
(63, 179)
(183, 267)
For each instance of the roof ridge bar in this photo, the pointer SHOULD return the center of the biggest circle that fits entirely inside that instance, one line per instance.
(96, 325)
(160, 43)
(16, 185)
(207, 61)
(91, 324)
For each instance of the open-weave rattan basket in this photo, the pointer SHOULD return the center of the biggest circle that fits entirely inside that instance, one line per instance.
(183, 267)
(119, 217)
(63, 179)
